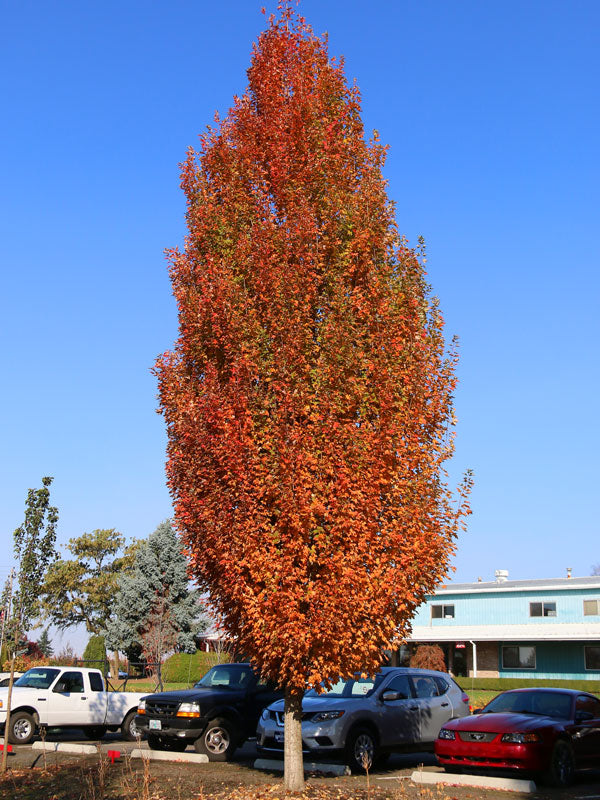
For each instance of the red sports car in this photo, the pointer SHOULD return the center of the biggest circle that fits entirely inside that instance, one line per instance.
(549, 732)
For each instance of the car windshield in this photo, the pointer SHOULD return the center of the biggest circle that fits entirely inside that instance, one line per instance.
(226, 676)
(38, 678)
(355, 687)
(547, 704)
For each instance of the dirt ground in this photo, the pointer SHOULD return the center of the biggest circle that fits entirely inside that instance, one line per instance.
(67, 777)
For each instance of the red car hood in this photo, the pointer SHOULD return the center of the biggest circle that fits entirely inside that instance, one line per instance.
(500, 722)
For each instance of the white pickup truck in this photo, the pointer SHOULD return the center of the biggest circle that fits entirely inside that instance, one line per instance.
(67, 697)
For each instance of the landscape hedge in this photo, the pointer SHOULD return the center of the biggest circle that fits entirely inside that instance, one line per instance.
(501, 684)
(190, 667)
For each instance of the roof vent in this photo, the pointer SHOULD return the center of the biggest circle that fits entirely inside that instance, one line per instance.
(501, 575)
(569, 571)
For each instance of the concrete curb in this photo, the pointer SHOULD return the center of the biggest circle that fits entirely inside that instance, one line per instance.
(483, 781)
(166, 755)
(277, 766)
(65, 747)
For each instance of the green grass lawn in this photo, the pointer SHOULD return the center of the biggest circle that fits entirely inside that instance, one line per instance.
(148, 685)
(478, 698)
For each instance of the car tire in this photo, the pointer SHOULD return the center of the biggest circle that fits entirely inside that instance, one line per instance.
(361, 750)
(94, 731)
(129, 730)
(561, 769)
(21, 729)
(218, 740)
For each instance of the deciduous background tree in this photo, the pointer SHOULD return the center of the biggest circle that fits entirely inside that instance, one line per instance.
(428, 656)
(81, 589)
(308, 398)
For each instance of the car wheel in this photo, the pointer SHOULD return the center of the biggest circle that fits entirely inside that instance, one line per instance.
(94, 731)
(129, 730)
(361, 750)
(21, 728)
(561, 769)
(218, 740)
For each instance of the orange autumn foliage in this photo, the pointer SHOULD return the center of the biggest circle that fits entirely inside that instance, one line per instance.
(308, 398)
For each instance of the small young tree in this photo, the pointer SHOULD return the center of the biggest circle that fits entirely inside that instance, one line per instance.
(34, 551)
(158, 633)
(308, 400)
(429, 656)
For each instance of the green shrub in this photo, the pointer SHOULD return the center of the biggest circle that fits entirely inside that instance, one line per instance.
(501, 684)
(190, 667)
(95, 652)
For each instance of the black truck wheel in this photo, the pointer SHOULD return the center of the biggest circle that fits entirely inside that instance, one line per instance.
(218, 740)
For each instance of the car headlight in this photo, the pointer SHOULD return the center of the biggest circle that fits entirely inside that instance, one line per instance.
(446, 734)
(265, 713)
(142, 707)
(325, 716)
(188, 710)
(520, 738)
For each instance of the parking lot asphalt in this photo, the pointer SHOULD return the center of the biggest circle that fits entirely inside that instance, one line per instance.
(397, 771)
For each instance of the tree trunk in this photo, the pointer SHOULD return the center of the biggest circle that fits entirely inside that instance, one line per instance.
(11, 681)
(114, 668)
(293, 774)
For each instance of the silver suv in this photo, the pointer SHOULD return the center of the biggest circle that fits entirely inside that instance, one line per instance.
(365, 719)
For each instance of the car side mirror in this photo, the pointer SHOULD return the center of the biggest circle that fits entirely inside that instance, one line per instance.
(390, 695)
(60, 687)
(583, 716)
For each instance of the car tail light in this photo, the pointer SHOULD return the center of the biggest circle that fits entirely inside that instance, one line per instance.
(465, 698)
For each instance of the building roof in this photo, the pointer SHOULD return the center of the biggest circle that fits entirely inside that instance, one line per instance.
(553, 584)
(528, 632)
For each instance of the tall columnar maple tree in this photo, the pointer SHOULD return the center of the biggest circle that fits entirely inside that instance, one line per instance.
(308, 398)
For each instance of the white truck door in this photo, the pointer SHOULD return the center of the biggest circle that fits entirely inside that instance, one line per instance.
(97, 699)
(68, 701)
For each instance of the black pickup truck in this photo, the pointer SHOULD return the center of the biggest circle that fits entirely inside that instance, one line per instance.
(217, 715)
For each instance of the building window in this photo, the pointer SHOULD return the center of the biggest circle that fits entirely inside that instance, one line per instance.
(592, 657)
(542, 609)
(591, 608)
(442, 612)
(518, 657)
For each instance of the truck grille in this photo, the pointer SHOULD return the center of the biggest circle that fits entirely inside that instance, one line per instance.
(161, 708)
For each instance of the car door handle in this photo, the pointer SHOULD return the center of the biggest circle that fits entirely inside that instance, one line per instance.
(445, 704)
(84, 698)
(42, 699)
(413, 708)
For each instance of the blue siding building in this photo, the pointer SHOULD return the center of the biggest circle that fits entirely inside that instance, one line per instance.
(522, 629)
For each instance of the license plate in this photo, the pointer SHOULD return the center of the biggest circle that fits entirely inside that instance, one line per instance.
(279, 736)
(154, 724)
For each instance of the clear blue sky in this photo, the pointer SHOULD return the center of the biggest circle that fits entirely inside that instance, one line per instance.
(491, 112)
